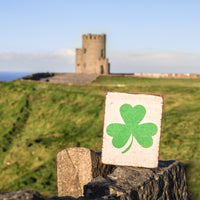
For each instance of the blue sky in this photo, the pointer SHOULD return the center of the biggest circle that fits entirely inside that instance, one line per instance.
(142, 36)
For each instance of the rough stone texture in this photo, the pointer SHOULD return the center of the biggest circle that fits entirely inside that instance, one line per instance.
(22, 195)
(62, 198)
(76, 167)
(71, 78)
(168, 182)
(165, 75)
(126, 183)
(63, 78)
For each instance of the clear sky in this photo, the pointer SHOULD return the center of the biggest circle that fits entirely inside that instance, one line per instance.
(142, 36)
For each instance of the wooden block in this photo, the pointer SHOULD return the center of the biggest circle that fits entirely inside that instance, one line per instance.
(132, 126)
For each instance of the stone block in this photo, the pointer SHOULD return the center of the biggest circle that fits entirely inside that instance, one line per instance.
(131, 183)
(22, 195)
(76, 167)
(132, 126)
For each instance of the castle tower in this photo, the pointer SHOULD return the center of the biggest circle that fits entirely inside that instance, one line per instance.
(91, 59)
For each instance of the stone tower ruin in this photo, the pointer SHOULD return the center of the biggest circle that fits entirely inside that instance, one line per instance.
(91, 59)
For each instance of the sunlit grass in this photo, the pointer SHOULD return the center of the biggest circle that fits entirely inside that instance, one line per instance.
(37, 120)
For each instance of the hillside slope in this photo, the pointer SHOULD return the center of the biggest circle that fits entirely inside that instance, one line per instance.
(37, 120)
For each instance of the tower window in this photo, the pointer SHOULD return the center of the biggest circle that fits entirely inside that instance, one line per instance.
(102, 53)
(84, 50)
(102, 71)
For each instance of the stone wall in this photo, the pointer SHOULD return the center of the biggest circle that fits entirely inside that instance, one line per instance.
(168, 182)
(167, 75)
(82, 176)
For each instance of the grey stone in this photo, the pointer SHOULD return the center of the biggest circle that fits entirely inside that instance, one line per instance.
(76, 167)
(62, 198)
(71, 78)
(22, 195)
(166, 182)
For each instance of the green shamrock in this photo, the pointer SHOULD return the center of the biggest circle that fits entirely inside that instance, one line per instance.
(132, 117)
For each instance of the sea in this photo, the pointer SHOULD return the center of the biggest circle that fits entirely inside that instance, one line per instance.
(11, 76)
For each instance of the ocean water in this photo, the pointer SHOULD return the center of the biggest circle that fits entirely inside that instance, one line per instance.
(11, 76)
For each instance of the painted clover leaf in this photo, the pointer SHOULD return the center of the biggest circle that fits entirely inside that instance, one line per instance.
(132, 116)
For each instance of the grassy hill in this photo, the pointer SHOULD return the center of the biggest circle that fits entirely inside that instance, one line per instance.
(37, 120)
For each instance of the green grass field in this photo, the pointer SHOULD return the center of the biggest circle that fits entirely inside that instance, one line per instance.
(37, 120)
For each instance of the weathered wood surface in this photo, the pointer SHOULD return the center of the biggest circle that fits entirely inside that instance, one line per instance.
(132, 127)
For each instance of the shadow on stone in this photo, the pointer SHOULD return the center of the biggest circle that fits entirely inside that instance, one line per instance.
(38, 76)
(22, 195)
(125, 183)
(166, 182)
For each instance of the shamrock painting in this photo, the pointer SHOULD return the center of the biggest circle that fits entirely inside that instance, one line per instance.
(132, 116)
(132, 127)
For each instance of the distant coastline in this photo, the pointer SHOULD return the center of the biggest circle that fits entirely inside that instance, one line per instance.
(11, 76)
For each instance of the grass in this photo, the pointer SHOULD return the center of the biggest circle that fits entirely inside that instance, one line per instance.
(37, 120)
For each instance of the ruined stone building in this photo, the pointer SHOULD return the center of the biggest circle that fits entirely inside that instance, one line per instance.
(91, 59)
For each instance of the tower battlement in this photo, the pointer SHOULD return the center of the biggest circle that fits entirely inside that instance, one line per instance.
(91, 58)
(94, 37)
